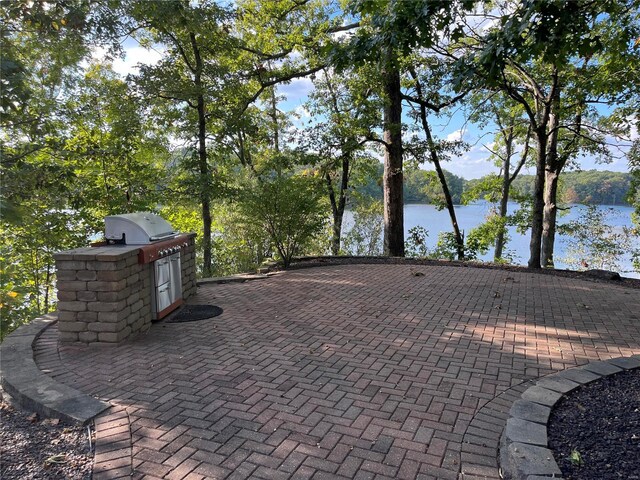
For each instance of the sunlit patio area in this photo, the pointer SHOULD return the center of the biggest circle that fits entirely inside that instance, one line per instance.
(354, 372)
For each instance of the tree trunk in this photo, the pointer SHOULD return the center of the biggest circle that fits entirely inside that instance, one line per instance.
(504, 202)
(552, 173)
(549, 218)
(535, 244)
(507, 180)
(204, 194)
(47, 288)
(338, 205)
(445, 187)
(203, 165)
(506, 184)
(433, 152)
(274, 118)
(392, 178)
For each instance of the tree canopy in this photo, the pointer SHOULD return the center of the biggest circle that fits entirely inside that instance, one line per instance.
(206, 135)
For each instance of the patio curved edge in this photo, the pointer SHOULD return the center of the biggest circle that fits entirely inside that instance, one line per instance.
(32, 389)
(524, 452)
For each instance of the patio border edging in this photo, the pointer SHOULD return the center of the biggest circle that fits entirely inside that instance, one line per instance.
(32, 389)
(239, 278)
(524, 452)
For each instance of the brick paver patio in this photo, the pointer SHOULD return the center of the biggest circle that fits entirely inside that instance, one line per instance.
(358, 372)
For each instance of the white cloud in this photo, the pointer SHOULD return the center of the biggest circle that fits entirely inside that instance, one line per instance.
(343, 35)
(302, 112)
(134, 56)
(455, 136)
(471, 164)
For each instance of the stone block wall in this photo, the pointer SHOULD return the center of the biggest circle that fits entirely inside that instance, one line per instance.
(104, 293)
(188, 259)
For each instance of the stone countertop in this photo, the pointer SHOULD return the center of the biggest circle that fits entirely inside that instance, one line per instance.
(107, 253)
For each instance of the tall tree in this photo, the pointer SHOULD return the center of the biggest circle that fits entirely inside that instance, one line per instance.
(427, 94)
(347, 112)
(509, 151)
(190, 78)
(118, 159)
(389, 31)
(555, 58)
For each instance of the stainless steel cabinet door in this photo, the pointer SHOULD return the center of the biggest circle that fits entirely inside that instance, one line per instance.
(163, 271)
(176, 277)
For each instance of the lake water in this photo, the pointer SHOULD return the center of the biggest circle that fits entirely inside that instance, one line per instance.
(470, 216)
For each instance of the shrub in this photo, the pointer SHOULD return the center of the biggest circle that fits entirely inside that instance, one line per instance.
(287, 207)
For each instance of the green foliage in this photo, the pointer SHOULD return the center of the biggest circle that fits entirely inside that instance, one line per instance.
(446, 247)
(480, 239)
(593, 243)
(237, 245)
(27, 267)
(402, 26)
(420, 186)
(101, 162)
(416, 243)
(575, 457)
(487, 188)
(633, 195)
(433, 189)
(78, 142)
(287, 207)
(118, 164)
(365, 236)
(477, 242)
(370, 187)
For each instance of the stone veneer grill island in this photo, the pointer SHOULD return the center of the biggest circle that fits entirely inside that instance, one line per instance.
(104, 292)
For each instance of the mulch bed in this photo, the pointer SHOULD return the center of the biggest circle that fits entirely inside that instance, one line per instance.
(594, 431)
(34, 448)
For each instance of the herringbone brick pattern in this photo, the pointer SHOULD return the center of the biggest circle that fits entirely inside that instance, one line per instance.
(358, 372)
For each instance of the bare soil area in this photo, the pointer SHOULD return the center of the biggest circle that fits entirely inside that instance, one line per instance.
(34, 448)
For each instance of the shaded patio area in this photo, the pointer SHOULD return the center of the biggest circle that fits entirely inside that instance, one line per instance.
(357, 372)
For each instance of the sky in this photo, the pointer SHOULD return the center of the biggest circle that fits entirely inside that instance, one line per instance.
(470, 164)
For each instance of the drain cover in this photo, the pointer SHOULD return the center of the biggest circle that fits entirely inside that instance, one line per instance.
(192, 313)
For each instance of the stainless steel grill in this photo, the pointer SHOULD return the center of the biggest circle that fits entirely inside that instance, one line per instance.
(159, 245)
(139, 228)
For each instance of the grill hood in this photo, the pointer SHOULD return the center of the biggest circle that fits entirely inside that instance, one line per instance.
(139, 228)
